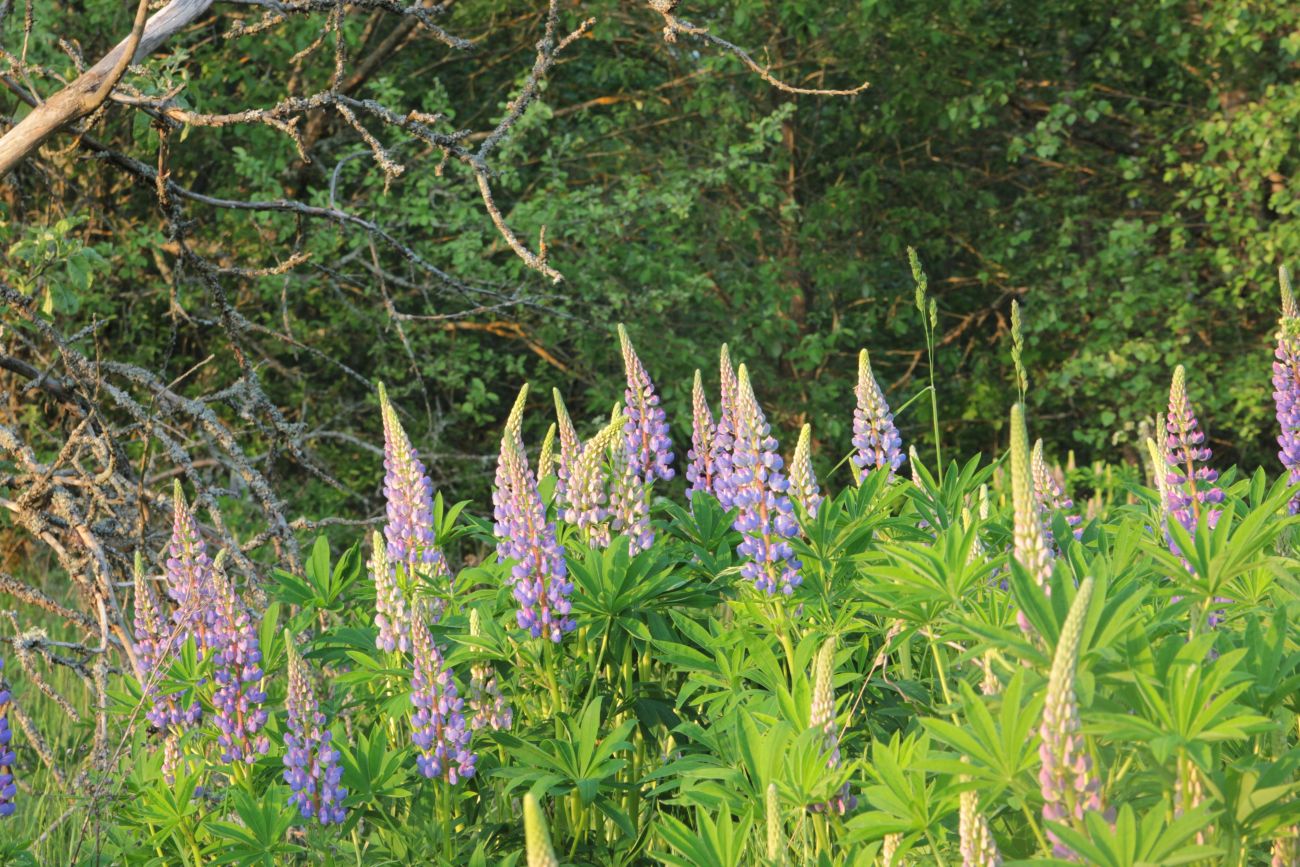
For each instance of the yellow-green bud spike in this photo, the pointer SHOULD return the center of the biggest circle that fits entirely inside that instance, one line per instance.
(1030, 543)
(1289, 310)
(515, 421)
(546, 458)
(537, 839)
(775, 833)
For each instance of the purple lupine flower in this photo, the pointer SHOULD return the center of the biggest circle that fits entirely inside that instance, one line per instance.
(1029, 541)
(822, 719)
(649, 447)
(541, 585)
(701, 470)
(874, 434)
(766, 516)
(239, 695)
(408, 492)
(392, 618)
(153, 649)
(8, 788)
(1191, 488)
(978, 848)
(570, 447)
(803, 481)
(724, 437)
(588, 507)
(1286, 386)
(439, 723)
(190, 582)
(311, 763)
(1069, 785)
(1052, 497)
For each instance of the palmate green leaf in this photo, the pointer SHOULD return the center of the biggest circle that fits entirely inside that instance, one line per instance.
(1000, 752)
(579, 759)
(261, 837)
(714, 840)
(1148, 842)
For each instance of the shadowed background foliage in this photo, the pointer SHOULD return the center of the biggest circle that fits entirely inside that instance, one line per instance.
(1125, 170)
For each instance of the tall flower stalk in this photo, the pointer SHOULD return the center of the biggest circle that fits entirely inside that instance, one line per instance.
(1069, 786)
(8, 788)
(408, 492)
(821, 719)
(874, 434)
(311, 763)
(649, 446)
(1052, 497)
(765, 517)
(588, 506)
(724, 437)
(537, 839)
(803, 481)
(1029, 540)
(701, 472)
(239, 696)
(539, 573)
(189, 573)
(154, 640)
(570, 447)
(1286, 385)
(1191, 490)
(978, 848)
(487, 706)
(392, 618)
(440, 734)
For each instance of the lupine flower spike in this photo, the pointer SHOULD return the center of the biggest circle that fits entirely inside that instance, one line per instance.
(803, 481)
(439, 734)
(724, 437)
(1051, 497)
(588, 507)
(775, 833)
(978, 848)
(629, 495)
(1285, 851)
(239, 695)
(1191, 488)
(874, 435)
(766, 517)
(822, 719)
(537, 839)
(1069, 785)
(701, 471)
(154, 646)
(1030, 546)
(8, 788)
(546, 455)
(646, 429)
(487, 706)
(1286, 385)
(570, 445)
(311, 763)
(392, 618)
(524, 535)
(412, 544)
(189, 576)
(889, 850)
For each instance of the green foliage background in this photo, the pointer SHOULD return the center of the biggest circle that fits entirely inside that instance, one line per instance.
(1126, 170)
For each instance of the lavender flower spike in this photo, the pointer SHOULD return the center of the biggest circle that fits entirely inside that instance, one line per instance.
(239, 695)
(629, 495)
(647, 427)
(822, 719)
(1191, 488)
(408, 491)
(765, 516)
(978, 848)
(311, 763)
(724, 437)
(874, 434)
(1286, 385)
(1030, 547)
(440, 733)
(1051, 497)
(1068, 784)
(189, 576)
(488, 707)
(8, 789)
(524, 535)
(570, 445)
(391, 616)
(702, 470)
(537, 839)
(803, 481)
